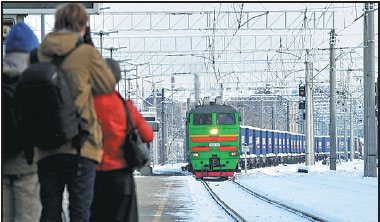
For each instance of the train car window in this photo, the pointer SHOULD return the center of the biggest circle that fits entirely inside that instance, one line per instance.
(225, 119)
(202, 119)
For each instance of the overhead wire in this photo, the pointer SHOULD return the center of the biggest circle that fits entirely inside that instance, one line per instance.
(275, 59)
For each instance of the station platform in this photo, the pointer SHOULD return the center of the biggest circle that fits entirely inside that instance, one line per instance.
(163, 198)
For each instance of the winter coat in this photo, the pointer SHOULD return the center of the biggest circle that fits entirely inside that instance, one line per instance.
(15, 63)
(86, 72)
(111, 113)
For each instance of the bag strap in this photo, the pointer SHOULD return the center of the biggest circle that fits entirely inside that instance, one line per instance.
(127, 111)
(58, 60)
(77, 141)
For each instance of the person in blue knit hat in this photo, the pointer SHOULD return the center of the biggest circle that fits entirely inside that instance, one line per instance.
(20, 184)
(21, 39)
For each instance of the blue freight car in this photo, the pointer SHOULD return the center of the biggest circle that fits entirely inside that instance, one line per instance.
(272, 147)
(263, 137)
(275, 144)
(256, 141)
(281, 142)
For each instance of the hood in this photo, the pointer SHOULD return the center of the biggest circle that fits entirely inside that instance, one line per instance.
(57, 43)
(14, 63)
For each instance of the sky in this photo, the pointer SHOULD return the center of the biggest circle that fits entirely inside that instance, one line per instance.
(341, 195)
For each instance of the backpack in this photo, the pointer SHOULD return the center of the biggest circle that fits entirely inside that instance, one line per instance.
(11, 131)
(46, 107)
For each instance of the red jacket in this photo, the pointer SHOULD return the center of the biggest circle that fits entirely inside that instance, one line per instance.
(111, 114)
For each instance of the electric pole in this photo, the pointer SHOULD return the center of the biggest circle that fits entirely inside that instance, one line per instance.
(196, 88)
(163, 127)
(136, 87)
(345, 126)
(137, 92)
(365, 86)
(308, 113)
(111, 49)
(332, 102)
(273, 118)
(369, 60)
(221, 91)
(262, 113)
(129, 88)
(287, 117)
(352, 151)
(142, 94)
(101, 33)
(311, 111)
(125, 83)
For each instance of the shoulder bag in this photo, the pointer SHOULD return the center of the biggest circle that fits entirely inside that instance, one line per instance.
(136, 153)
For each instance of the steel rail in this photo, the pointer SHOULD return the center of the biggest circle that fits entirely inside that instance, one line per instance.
(306, 215)
(223, 205)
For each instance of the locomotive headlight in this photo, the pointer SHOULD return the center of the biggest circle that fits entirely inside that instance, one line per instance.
(214, 131)
(194, 154)
(234, 153)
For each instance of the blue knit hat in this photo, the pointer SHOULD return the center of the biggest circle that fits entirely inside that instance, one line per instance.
(21, 39)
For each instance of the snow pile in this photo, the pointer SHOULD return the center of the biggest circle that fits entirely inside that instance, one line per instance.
(169, 168)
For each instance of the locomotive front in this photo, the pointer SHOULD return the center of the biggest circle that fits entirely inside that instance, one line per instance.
(213, 140)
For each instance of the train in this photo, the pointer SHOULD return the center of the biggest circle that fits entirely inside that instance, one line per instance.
(215, 138)
(273, 147)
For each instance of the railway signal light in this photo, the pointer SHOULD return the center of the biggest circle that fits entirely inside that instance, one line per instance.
(302, 90)
(301, 104)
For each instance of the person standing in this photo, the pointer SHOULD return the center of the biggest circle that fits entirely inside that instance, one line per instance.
(20, 185)
(86, 72)
(114, 193)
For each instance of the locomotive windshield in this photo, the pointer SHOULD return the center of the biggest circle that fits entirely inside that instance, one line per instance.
(225, 119)
(202, 119)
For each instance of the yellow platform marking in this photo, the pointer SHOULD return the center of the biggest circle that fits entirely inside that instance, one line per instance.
(162, 204)
(228, 135)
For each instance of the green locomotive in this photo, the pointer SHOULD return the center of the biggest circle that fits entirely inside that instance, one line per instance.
(212, 137)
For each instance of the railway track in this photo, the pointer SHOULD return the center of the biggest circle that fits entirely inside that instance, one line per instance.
(298, 212)
(237, 217)
(233, 214)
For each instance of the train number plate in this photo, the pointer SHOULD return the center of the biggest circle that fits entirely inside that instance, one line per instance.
(214, 144)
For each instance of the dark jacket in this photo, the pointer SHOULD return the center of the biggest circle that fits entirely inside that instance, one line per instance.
(14, 64)
(86, 72)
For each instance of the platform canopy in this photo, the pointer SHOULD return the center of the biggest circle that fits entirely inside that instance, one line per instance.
(18, 8)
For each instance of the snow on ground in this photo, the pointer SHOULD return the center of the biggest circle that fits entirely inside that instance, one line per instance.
(205, 208)
(251, 208)
(174, 168)
(341, 195)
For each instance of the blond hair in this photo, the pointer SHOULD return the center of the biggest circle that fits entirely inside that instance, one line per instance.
(70, 16)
